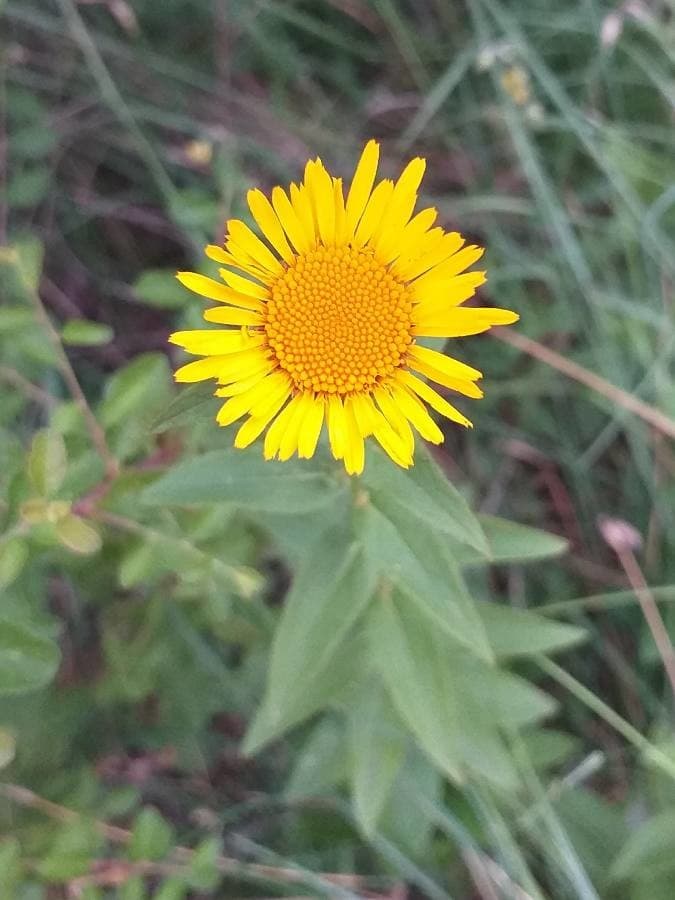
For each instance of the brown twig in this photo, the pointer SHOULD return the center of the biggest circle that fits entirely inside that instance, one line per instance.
(180, 855)
(624, 540)
(96, 432)
(32, 391)
(654, 417)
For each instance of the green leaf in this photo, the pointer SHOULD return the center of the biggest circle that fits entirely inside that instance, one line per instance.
(510, 542)
(13, 556)
(16, 318)
(377, 751)
(28, 186)
(28, 659)
(80, 332)
(171, 889)
(72, 852)
(47, 462)
(418, 560)
(243, 477)
(425, 496)
(134, 389)
(10, 866)
(329, 595)
(151, 837)
(192, 402)
(158, 287)
(7, 747)
(203, 874)
(77, 535)
(519, 632)
(133, 889)
(321, 763)
(453, 701)
(418, 682)
(25, 257)
(648, 850)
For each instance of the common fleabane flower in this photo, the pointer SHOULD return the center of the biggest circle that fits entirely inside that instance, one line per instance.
(323, 317)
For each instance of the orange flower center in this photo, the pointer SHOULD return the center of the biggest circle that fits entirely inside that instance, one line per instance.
(338, 321)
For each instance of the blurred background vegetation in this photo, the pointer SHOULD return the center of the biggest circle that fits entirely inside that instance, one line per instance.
(134, 639)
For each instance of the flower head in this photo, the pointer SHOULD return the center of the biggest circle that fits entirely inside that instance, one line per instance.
(323, 317)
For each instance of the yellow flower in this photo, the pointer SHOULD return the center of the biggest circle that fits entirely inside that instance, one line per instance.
(324, 318)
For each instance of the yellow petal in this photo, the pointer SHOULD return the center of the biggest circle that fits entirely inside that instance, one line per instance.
(304, 208)
(268, 222)
(239, 387)
(337, 426)
(395, 418)
(207, 342)
(402, 202)
(243, 365)
(438, 296)
(214, 290)
(362, 184)
(244, 285)
(457, 263)
(279, 389)
(371, 421)
(374, 212)
(200, 369)
(414, 410)
(242, 235)
(239, 261)
(405, 241)
(254, 427)
(290, 221)
(228, 315)
(461, 322)
(434, 399)
(278, 428)
(439, 251)
(320, 188)
(355, 453)
(440, 368)
(310, 427)
(340, 215)
(238, 406)
(362, 407)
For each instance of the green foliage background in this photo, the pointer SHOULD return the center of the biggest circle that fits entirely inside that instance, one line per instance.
(221, 677)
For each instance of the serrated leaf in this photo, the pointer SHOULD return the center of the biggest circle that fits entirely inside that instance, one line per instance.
(243, 477)
(329, 595)
(425, 496)
(47, 462)
(519, 632)
(28, 659)
(80, 332)
(151, 837)
(377, 750)
(77, 535)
